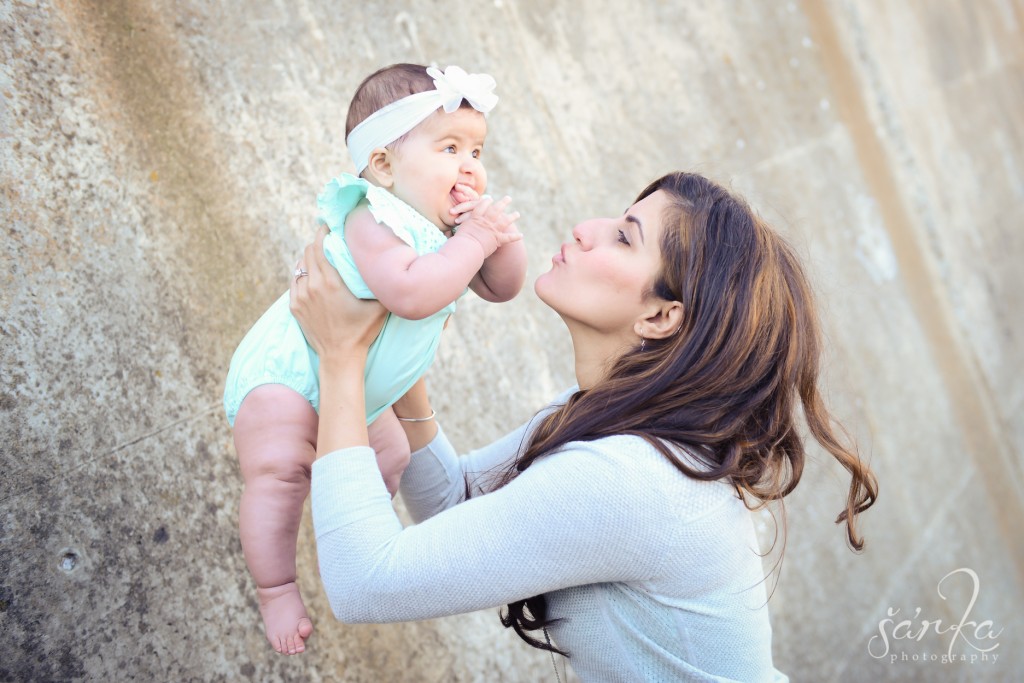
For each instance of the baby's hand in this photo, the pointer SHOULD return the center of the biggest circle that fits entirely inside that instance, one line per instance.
(487, 222)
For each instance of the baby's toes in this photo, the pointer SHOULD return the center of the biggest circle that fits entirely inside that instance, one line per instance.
(305, 627)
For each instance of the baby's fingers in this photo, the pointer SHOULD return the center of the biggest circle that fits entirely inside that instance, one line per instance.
(464, 206)
(501, 204)
(465, 193)
(504, 238)
(510, 218)
(477, 206)
(480, 207)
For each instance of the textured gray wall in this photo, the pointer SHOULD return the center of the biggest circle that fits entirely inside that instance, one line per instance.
(159, 163)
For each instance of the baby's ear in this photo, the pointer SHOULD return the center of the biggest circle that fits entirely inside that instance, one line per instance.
(380, 166)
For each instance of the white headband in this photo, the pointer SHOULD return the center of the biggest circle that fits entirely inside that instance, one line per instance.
(389, 123)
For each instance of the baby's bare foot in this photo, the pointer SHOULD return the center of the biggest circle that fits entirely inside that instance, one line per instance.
(284, 618)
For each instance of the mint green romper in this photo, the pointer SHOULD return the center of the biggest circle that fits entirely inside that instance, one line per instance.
(274, 350)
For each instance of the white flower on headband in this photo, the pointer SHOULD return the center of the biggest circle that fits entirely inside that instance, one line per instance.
(455, 85)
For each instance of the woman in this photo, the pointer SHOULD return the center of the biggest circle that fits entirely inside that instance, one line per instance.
(617, 519)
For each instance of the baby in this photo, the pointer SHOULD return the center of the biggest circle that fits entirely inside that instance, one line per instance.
(413, 231)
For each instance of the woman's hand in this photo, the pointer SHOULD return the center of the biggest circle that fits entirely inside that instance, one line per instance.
(340, 328)
(333, 320)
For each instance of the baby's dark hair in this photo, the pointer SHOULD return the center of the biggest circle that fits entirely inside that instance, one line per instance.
(385, 86)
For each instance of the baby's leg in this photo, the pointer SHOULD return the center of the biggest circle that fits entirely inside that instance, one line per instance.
(387, 438)
(275, 437)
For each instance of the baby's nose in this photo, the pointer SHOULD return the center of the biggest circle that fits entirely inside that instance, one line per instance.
(470, 174)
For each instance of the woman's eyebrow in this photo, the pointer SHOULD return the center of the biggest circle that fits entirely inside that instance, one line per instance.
(639, 226)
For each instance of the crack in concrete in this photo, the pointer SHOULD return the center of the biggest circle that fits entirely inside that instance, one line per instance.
(120, 447)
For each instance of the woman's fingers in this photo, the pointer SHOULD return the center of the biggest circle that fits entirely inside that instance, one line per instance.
(297, 289)
(331, 317)
(316, 264)
(318, 247)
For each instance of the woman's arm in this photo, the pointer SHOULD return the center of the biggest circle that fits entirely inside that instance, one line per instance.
(415, 286)
(415, 404)
(437, 478)
(576, 517)
(340, 328)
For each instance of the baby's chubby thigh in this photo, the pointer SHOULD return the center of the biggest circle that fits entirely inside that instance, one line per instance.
(387, 438)
(275, 434)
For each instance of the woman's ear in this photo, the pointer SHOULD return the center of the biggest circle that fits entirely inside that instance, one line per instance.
(662, 319)
(380, 166)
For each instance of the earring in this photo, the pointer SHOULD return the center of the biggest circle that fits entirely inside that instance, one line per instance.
(643, 340)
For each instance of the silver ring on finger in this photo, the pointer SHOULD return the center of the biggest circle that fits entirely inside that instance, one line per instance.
(299, 273)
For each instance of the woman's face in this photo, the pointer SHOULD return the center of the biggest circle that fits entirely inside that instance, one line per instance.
(599, 278)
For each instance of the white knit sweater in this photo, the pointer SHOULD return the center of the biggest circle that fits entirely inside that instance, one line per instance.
(654, 576)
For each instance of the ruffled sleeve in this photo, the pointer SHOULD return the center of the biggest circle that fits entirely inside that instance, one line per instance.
(343, 193)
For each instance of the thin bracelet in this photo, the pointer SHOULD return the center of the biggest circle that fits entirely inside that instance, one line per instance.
(433, 414)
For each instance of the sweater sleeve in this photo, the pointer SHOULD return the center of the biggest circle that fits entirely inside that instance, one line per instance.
(578, 516)
(436, 478)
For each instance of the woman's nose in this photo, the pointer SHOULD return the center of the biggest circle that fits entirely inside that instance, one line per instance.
(582, 233)
(585, 233)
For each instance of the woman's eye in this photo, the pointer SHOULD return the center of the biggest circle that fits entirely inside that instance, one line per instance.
(623, 239)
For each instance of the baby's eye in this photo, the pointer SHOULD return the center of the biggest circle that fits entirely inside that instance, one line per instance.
(623, 238)
(450, 149)
(477, 153)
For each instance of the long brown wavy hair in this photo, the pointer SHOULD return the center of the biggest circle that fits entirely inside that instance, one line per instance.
(726, 386)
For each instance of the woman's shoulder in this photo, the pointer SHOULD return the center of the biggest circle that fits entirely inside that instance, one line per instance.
(633, 450)
(631, 462)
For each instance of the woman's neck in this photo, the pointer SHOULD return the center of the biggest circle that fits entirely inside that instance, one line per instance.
(594, 354)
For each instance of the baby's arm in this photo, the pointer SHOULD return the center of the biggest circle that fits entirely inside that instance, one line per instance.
(413, 286)
(503, 272)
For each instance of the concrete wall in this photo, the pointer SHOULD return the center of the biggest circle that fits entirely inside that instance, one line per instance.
(159, 163)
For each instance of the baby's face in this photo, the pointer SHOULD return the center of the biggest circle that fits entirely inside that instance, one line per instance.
(438, 154)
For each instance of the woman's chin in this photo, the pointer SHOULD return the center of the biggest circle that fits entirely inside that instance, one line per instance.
(541, 288)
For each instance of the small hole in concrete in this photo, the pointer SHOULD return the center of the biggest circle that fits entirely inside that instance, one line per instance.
(68, 561)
